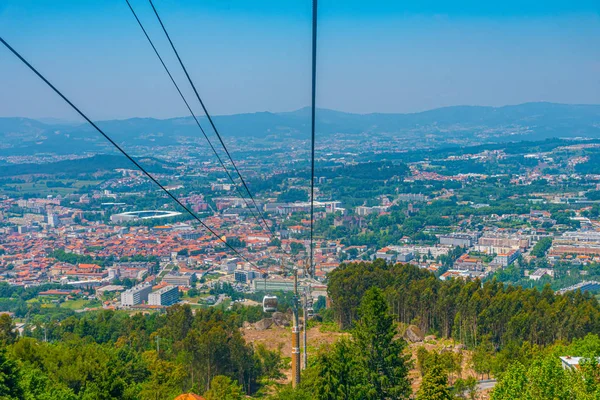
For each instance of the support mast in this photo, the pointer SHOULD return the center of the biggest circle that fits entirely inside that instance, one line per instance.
(295, 335)
(305, 312)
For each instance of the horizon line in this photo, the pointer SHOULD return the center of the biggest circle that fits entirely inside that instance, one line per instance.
(62, 120)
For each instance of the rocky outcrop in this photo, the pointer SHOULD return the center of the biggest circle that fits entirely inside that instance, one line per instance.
(282, 320)
(413, 334)
(263, 324)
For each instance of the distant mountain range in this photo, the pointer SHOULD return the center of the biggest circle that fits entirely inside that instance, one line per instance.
(530, 121)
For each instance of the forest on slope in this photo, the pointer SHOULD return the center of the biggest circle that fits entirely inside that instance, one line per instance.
(467, 311)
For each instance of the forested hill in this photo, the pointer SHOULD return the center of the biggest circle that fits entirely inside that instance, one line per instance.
(100, 162)
(466, 311)
(529, 121)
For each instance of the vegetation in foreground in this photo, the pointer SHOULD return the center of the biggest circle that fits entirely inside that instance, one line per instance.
(515, 335)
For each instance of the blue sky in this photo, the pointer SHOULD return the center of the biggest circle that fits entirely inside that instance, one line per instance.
(247, 56)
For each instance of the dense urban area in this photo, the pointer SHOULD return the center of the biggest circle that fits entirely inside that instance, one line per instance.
(443, 268)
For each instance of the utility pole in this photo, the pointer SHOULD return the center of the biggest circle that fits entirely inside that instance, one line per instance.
(295, 335)
(157, 345)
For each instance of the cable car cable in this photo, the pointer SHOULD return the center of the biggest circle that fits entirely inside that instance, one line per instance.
(312, 128)
(194, 116)
(207, 113)
(32, 68)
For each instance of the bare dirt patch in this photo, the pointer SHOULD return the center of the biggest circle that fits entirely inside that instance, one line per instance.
(274, 337)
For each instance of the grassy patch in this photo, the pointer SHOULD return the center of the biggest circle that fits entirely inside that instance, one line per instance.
(329, 327)
(80, 304)
(224, 304)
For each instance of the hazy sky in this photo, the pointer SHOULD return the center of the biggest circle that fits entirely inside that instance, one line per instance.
(246, 56)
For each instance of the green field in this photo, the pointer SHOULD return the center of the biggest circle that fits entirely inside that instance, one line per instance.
(80, 304)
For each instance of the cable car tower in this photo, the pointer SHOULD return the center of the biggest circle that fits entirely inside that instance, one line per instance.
(295, 334)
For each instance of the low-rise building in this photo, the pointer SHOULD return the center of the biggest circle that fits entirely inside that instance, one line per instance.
(462, 274)
(412, 197)
(179, 279)
(136, 295)
(274, 285)
(229, 265)
(457, 239)
(405, 256)
(468, 263)
(504, 241)
(386, 254)
(540, 272)
(364, 210)
(572, 363)
(244, 276)
(166, 296)
(505, 259)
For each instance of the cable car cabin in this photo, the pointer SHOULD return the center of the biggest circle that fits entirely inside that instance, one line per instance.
(270, 303)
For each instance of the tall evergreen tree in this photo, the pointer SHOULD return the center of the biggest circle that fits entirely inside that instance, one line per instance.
(434, 385)
(383, 366)
(8, 334)
(336, 372)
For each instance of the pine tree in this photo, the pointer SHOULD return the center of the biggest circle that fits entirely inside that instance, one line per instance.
(336, 375)
(382, 364)
(8, 334)
(434, 385)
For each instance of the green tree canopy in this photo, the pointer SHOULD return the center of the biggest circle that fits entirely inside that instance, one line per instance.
(223, 388)
(10, 387)
(434, 385)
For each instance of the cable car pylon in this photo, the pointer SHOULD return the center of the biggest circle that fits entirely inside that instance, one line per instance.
(307, 315)
(295, 334)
